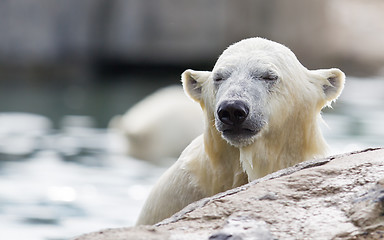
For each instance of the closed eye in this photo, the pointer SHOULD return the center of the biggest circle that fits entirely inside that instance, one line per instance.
(222, 74)
(218, 77)
(269, 76)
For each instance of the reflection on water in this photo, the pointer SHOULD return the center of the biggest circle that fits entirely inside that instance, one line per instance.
(59, 182)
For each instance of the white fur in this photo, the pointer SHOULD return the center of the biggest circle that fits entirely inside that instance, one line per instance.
(161, 125)
(211, 164)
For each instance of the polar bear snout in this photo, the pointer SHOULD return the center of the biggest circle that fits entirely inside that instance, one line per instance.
(233, 119)
(233, 113)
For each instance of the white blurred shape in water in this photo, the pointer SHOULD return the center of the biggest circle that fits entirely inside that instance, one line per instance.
(23, 123)
(62, 194)
(20, 132)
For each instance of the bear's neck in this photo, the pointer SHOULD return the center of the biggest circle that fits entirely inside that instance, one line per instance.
(282, 147)
(224, 161)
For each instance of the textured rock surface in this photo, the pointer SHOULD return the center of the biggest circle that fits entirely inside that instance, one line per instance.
(340, 197)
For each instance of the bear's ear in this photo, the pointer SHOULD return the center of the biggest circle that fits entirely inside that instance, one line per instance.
(332, 82)
(192, 82)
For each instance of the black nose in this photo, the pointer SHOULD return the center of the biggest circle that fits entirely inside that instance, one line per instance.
(232, 113)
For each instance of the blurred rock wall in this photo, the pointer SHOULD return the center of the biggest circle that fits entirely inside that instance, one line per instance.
(345, 33)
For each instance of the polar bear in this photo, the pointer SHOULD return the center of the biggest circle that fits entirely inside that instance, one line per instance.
(262, 113)
(160, 126)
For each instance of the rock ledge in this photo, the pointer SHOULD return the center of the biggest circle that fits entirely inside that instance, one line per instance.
(340, 197)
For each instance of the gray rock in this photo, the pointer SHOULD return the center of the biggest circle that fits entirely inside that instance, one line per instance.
(339, 197)
(243, 226)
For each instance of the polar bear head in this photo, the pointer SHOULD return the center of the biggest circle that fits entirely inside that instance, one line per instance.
(258, 86)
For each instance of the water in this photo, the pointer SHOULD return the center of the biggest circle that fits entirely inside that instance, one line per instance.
(59, 183)
(357, 120)
(62, 178)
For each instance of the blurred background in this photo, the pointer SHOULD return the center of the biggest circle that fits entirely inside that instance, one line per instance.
(68, 67)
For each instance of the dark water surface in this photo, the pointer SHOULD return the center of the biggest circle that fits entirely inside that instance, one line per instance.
(61, 171)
